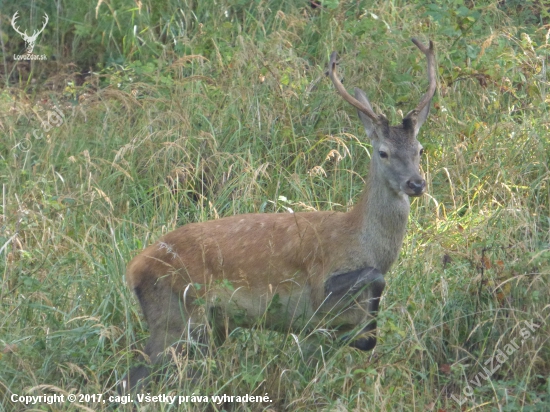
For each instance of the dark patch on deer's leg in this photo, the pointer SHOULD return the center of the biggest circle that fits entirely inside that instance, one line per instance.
(343, 288)
(376, 286)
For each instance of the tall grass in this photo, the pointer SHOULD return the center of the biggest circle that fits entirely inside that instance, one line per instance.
(207, 110)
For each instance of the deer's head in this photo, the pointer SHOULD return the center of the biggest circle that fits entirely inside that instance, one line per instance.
(396, 150)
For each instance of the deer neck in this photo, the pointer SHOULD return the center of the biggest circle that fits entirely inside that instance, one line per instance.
(380, 217)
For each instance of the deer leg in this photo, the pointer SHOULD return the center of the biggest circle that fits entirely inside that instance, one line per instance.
(344, 288)
(217, 323)
(169, 324)
(367, 337)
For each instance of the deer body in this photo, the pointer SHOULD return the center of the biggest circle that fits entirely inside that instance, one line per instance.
(288, 271)
(290, 254)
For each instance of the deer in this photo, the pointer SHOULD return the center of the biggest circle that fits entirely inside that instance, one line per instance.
(29, 40)
(287, 270)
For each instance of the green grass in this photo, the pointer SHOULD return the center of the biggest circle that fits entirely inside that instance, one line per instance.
(204, 115)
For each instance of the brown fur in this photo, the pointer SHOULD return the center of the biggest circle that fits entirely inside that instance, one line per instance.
(273, 268)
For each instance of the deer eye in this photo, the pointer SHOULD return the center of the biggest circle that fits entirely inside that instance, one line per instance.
(421, 152)
(383, 154)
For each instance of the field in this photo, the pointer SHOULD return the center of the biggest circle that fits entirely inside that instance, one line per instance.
(148, 115)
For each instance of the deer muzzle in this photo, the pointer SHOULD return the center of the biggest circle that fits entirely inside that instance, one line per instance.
(415, 187)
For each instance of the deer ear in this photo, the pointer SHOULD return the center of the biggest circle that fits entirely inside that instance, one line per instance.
(368, 123)
(417, 120)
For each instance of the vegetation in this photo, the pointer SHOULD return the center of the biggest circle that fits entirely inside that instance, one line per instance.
(151, 114)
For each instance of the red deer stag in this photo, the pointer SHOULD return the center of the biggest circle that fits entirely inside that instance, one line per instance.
(318, 267)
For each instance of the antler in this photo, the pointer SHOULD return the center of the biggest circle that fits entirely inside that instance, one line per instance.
(430, 55)
(344, 93)
(13, 19)
(36, 33)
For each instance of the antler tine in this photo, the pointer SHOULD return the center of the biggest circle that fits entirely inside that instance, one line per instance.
(430, 55)
(344, 93)
(46, 19)
(13, 19)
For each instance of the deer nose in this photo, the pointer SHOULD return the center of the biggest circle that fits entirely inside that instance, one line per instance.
(417, 185)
